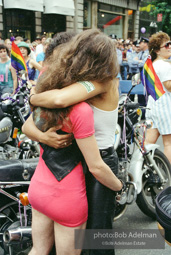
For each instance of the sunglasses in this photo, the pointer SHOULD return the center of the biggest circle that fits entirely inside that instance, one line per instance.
(166, 46)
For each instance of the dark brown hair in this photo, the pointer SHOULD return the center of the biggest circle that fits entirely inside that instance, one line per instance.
(2, 46)
(156, 40)
(88, 56)
(58, 39)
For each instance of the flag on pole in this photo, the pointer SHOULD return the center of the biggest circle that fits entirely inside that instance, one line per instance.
(17, 60)
(151, 81)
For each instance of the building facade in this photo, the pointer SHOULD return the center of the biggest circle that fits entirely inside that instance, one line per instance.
(30, 18)
(146, 20)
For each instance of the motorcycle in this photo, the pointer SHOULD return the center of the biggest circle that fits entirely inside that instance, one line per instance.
(15, 211)
(13, 111)
(144, 165)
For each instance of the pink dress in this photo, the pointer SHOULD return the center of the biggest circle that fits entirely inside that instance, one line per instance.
(64, 202)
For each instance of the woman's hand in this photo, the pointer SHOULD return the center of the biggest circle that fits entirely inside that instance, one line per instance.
(52, 139)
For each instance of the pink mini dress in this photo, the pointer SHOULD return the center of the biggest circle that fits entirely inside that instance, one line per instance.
(64, 201)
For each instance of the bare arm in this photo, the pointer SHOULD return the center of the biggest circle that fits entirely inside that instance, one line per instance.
(14, 77)
(96, 165)
(67, 96)
(167, 85)
(50, 137)
(36, 65)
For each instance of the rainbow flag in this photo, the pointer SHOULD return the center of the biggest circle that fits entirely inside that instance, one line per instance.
(17, 60)
(151, 81)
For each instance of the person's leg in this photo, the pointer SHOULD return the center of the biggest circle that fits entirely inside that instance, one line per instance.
(65, 239)
(152, 136)
(167, 146)
(101, 204)
(42, 234)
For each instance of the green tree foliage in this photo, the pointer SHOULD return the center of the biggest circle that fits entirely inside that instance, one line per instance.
(164, 7)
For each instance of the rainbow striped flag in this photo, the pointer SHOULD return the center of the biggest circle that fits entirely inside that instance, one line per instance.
(17, 60)
(151, 81)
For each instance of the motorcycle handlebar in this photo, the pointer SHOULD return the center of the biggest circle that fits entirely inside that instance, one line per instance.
(132, 105)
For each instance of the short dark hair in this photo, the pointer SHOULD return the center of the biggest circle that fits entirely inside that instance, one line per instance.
(43, 36)
(2, 46)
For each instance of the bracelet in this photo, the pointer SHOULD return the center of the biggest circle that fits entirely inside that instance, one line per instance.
(29, 99)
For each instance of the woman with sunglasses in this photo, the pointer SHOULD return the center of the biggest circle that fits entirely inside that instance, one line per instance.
(159, 110)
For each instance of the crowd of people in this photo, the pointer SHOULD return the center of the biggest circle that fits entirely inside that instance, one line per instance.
(75, 108)
(33, 54)
(131, 55)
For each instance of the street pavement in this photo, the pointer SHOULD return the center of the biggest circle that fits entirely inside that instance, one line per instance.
(135, 219)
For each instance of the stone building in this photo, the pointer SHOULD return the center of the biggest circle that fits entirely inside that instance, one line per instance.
(29, 18)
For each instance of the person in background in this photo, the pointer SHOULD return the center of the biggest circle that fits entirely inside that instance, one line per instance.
(34, 45)
(124, 65)
(143, 54)
(38, 39)
(39, 47)
(18, 39)
(41, 56)
(140, 60)
(8, 76)
(26, 40)
(159, 111)
(32, 53)
(133, 66)
(118, 51)
(32, 65)
(8, 43)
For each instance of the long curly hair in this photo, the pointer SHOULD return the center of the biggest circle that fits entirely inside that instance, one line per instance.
(155, 43)
(58, 39)
(88, 56)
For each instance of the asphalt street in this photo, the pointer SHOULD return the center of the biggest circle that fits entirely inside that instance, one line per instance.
(135, 219)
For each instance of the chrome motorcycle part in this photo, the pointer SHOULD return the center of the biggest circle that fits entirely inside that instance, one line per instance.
(5, 129)
(18, 234)
(12, 220)
(152, 185)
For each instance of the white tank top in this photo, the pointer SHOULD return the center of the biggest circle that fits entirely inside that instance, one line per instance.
(105, 125)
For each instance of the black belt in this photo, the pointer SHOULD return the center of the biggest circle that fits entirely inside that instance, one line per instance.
(106, 152)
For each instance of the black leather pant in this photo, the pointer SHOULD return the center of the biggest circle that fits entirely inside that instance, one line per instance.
(101, 202)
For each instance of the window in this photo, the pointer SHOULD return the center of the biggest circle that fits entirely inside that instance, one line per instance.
(19, 23)
(87, 14)
(53, 23)
(110, 19)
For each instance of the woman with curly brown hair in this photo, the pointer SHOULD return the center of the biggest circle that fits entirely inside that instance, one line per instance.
(89, 56)
(159, 110)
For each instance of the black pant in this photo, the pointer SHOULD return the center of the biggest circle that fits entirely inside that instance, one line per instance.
(101, 203)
